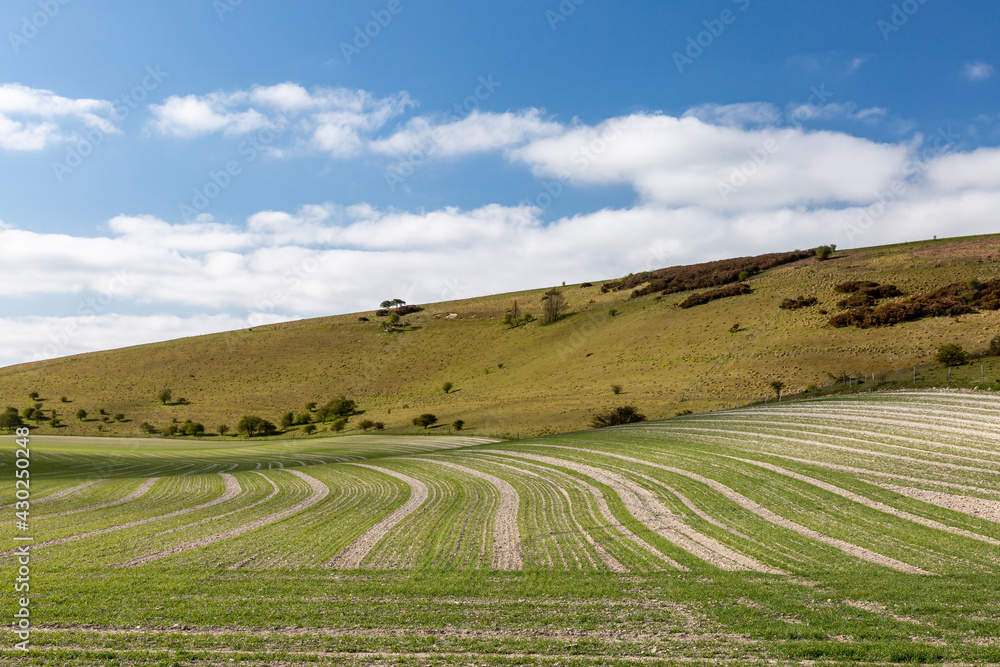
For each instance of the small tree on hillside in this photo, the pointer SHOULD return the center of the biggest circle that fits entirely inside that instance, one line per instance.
(287, 420)
(34, 395)
(626, 414)
(366, 424)
(339, 425)
(10, 420)
(553, 306)
(824, 252)
(81, 414)
(447, 387)
(425, 420)
(778, 385)
(458, 424)
(379, 426)
(119, 417)
(994, 349)
(165, 396)
(250, 425)
(952, 355)
(223, 429)
(309, 429)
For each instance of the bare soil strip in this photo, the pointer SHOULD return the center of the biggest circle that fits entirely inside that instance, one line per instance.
(68, 493)
(135, 495)
(507, 551)
(274, 492)
(233, 489)
(610, 561)
(358, 550)
(769, 516)
(873, 504)
(319, 492)
(978, 507)
(647, 509)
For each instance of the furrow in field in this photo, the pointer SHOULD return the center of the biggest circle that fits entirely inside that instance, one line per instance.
(135, 495)
(508, 554)
(68, 493)
(978, 507)
(768, 515)
(873, 504)
(319, 492)
(648, 510)
(356, 552)
(610, 561)
(233, 489)
(274, 492)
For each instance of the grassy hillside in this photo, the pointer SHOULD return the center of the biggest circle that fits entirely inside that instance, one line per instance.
(852, 530)
(532, 379)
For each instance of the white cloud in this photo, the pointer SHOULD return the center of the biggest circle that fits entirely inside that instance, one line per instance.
(736, 115)
(478, 132)
(32, 119)
(978, 71)
(332, 120)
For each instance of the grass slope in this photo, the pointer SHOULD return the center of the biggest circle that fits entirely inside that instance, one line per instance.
(552, 377)
(865, 530)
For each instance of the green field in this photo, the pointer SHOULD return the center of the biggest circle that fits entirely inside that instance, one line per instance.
(862, 529)
(531, 380)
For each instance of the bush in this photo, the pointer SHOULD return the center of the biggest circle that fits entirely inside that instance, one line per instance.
(712, 295)
(119, 417)
(309, 429)
(447, 387)
(63, 399)
(626, 414)
(303, 418)
(34, 395)
(458, 424)
(799, 302)
(146, 427)
(425, 420)
(339, 425)
(287, 420)
(993, 350)
(952, 355)
(251, 425)
(554, 306)
(192, 428)
(366, 424)
(223, 429)
(824, 252)
(616, 389)
(10, 420)
(379, 426)
(164, 396)
(81, 415)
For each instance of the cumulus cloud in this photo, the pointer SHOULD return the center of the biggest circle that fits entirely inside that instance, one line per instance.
(332, 120)
(32, 119)
(978, 71)
(476, 133)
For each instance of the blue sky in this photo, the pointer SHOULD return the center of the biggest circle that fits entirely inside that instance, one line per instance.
(236, 162)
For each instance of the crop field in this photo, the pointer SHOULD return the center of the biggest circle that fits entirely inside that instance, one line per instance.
(849, 530)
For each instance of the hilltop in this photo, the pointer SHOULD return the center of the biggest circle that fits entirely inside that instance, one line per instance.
(533, 379)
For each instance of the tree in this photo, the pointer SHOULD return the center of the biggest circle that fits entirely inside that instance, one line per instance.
(952, 355)
(366, 424)
(55, 423)
(379, 426)
(616, 389)
(425, 420)
(994, 349)
(10, 420)
(457, 424)
(309, 429)
(28, 412)
(164, 396)
(626, 414)
(386, 304)
(34, 395)
(81, 414)
(223, 429)
(447, 387)
(303, 418)
(339, 425)
(147, 428)
(63, 399)
(311, 407)
(553, 306)
(250, 425)
(397, 303)
(120, 417)
(778, 385)
(825, 251)
(192, 428)
(287, 420)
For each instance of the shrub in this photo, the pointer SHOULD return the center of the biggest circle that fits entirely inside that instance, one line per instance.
(425, 420)
(952, 355)
(458, 424)
(616, 389)
(309, 429)
(173, 429)
(223, 429)
(735, 328)
(250, 425)
(303, 418)
(582, 285)
(993, 350)
(626, 414)
(824, 252)
(147, 428)
(192, 428)
(613, 312)
(554, 306)
(684, 413)
(447, 387)
(10, 420)
(63, 399)
(362, 319)
(119, 417)
(777, 386)
(164, 396)
(81, 414)
(712, 295)
(339, 425)
(366, 424)
(287, 420)
(799, 302)
(379, 426)
(34, 395)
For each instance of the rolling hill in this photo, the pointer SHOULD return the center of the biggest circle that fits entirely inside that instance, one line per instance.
(534, 379)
